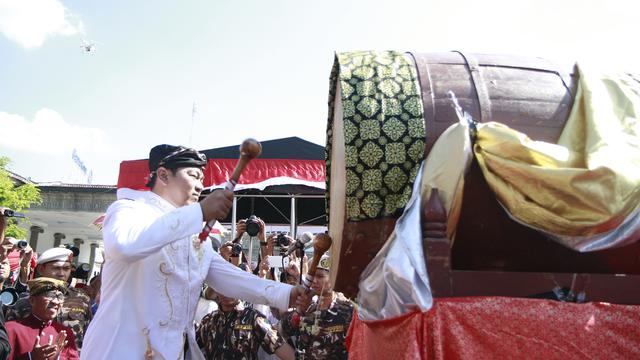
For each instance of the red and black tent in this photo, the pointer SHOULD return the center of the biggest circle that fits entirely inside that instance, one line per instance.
(285, 185)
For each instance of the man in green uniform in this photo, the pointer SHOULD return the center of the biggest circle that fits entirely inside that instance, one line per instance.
(235, 331)
(320, 332)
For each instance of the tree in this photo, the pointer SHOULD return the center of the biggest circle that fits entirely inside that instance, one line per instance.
(15, 198)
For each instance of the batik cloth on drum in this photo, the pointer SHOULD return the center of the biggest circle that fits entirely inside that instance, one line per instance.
(384, 131)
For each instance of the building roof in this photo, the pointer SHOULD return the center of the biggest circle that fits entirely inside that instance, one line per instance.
(285, 148)
(18, 179)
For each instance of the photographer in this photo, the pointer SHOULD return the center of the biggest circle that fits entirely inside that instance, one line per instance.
(5, 246)
(291, 274)
(266, 250)
(3, 225)
(22, 260)
(254, 226)
(5, 348)
(232, 250)
(20, 254)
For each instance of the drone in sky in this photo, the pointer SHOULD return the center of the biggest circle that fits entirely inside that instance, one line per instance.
(88, 47)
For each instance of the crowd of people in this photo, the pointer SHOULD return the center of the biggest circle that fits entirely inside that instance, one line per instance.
(165, 293)
(314, 329)
(50, 309)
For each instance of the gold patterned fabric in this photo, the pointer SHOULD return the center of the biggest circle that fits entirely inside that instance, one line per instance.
(383, 131)
(588, 182)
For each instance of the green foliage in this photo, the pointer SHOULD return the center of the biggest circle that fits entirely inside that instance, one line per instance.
(16, 198)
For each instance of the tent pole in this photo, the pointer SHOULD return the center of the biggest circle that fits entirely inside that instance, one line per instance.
(233, 217)
(293, 217)
(249, 253)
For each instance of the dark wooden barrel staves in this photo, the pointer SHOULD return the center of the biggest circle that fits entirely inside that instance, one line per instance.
(531, 95)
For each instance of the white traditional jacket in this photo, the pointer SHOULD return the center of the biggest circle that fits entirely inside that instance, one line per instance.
(151, 280)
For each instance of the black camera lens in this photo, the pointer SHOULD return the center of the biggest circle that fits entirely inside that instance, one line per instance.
(283, 240)
(82, 271)
(252, 226)
(244, 266)
(22, 244)
(73, 249)
(11, 213)
(236, 249)
(8, 296)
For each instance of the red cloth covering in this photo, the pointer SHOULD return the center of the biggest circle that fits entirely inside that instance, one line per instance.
(134, 174)
(499, 327)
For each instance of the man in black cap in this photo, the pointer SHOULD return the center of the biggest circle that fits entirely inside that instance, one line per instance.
(155, 264)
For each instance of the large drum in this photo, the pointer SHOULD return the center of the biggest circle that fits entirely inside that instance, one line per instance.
(372, 110)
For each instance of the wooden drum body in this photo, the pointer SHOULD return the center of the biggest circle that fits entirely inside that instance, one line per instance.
(491, 252)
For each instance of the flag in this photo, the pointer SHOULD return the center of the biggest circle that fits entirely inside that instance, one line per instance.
(78, 162)
(99, 222)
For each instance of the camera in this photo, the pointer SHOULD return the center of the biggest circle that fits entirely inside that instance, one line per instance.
(252, 226)
(282, 240)
(11, 213)
(20, 244)
(73, 249)
(244, 266)
(236, 249)
(82, 271)
(8, 296)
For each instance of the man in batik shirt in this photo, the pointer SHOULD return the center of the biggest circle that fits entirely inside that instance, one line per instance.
(236, 331)
(321, 329)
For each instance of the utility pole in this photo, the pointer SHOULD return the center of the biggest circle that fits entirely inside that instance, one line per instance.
(194, 110)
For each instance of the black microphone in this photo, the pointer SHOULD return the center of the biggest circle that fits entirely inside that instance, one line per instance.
(304, 239)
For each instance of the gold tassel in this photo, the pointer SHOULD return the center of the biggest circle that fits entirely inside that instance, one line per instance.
(149, 353)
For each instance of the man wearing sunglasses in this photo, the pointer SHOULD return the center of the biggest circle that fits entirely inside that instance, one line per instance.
(40, 336)
(155, 264)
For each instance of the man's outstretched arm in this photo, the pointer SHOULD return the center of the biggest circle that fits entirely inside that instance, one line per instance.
(233, 282)
(132, 231)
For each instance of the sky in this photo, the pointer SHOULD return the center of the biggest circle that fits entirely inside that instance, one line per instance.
(253, 68)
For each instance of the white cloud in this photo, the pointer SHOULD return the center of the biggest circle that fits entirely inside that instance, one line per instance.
(48, 133)
(30, 22)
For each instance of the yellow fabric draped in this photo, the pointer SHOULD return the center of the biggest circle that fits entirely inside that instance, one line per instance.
(589, 181)
(444, 170)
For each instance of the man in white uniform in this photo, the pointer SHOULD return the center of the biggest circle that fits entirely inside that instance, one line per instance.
(155, 265)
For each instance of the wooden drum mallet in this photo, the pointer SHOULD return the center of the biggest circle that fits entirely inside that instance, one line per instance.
(321, 243)
(249, 150)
